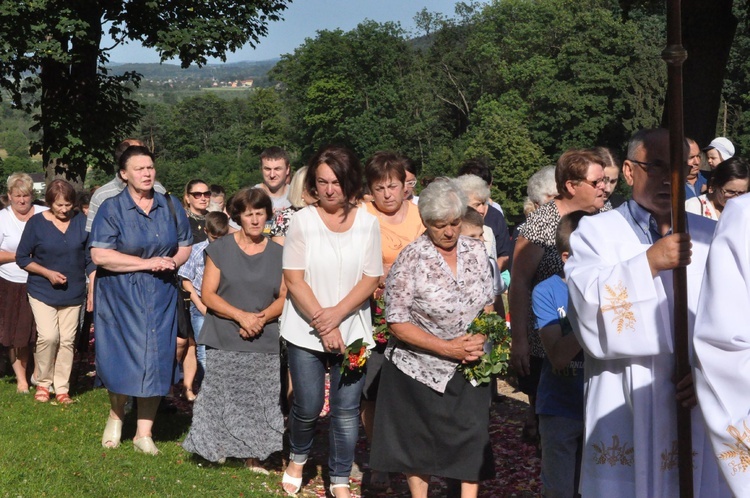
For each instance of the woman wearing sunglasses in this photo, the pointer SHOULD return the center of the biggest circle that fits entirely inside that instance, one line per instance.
(196, 199)
(197, 196)
(729, 180)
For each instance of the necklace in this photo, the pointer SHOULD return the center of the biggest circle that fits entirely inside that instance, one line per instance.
(331, 224)
(397, 217)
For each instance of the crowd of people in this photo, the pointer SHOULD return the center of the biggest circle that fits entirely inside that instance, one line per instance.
(264, 299)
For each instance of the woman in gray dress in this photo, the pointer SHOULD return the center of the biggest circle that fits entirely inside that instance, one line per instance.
(238, 413)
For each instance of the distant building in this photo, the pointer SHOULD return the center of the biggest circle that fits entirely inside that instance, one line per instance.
(40, 185)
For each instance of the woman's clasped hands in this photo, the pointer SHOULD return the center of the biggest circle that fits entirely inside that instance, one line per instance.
(159, 263)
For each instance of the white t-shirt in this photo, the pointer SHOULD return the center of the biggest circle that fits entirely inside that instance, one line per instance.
(11, 229)
(333, 263)
(279, 202)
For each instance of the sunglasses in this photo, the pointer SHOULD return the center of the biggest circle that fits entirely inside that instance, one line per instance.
(196, 195)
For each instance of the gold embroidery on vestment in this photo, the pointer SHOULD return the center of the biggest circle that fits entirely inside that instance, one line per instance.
(739, 452)
(616, 454)
(670, 458)
(619, 303)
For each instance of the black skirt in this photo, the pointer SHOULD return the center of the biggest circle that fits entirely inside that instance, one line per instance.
(420, 431)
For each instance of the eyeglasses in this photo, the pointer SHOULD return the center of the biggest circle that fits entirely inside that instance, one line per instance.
(196, 195)
(655, 168)
(594, 183)
(732, 193)
(411, 183)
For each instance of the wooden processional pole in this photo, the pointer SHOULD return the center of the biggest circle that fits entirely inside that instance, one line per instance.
(674, 55)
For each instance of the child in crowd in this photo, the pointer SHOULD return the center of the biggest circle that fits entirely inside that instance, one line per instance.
(559, 402)
(217, 225)
(472, 225)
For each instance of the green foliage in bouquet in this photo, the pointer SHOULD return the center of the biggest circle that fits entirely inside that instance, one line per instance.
(496, 361)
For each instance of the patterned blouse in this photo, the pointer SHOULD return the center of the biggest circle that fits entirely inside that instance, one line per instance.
(280, 222)
(540, 229)
(421, 289)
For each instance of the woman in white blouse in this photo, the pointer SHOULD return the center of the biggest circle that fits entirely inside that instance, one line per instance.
(332, 262)
(17, 329)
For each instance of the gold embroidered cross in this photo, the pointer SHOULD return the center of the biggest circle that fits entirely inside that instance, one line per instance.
(739, 452)
(621, 306)
(617, 454)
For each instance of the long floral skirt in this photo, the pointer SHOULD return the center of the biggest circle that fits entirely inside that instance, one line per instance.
(237, 413)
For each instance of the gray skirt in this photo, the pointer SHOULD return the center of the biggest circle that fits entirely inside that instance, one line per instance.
(237, 413)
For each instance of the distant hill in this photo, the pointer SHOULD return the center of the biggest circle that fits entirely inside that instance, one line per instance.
(217, 72)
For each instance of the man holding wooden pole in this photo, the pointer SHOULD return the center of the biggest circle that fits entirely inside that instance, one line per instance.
(620, 281)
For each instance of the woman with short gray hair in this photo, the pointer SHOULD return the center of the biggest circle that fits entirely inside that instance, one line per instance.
(541, 187)
(429, 419)
(478, 194)
(443, 201)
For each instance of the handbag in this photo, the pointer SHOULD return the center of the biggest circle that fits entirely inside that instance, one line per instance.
(184, 324)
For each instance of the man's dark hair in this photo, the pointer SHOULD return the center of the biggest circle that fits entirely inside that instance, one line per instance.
(567, 226)
(217, 190)
(478, 167)
(274, 153)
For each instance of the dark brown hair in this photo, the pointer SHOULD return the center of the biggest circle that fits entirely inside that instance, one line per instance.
(473, 217)
(132, 151)
(383, 165)
(217, 224)
(274, 153)
(344, 164)
(250, 198)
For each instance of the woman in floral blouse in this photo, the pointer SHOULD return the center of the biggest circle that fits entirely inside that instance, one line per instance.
(429, 419)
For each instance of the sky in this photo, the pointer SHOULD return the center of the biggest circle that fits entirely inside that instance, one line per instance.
(302, 19)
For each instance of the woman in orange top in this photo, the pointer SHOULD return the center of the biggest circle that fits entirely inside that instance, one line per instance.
(400, 224)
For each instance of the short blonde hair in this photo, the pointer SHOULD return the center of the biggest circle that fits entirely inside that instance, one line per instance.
(22, 182)
(297, 188)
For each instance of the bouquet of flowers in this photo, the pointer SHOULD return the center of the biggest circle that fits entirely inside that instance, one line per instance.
(379, 326)
(355, 358)
(494, 361)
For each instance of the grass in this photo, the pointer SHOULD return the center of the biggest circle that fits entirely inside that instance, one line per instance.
(55, 451)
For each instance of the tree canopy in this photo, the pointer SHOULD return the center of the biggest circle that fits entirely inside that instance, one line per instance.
(52, 63)
(515, 82)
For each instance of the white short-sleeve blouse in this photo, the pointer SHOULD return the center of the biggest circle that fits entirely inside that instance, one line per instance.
(11, 229)
(333, 263)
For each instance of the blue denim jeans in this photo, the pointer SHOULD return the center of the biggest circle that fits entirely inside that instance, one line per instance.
(196, 320)
(308, 370)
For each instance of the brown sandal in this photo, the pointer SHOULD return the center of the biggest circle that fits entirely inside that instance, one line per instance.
(64, 399)
(42, 394)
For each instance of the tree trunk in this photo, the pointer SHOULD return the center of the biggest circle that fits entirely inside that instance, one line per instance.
(72, 90)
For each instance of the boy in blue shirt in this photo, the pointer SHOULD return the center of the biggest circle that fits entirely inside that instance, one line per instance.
(559, 402)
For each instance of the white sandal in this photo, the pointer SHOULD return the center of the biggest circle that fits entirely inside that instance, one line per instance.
(339, 485)
(294, 481)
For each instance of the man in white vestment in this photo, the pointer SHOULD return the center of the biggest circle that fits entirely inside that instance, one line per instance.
(620, 283)
(722, 345)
